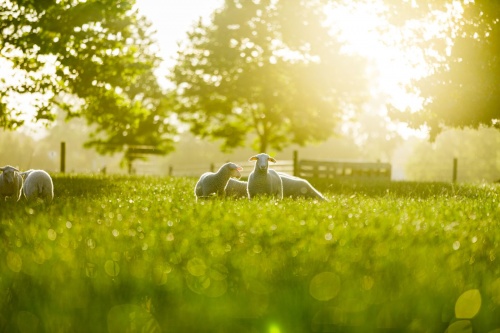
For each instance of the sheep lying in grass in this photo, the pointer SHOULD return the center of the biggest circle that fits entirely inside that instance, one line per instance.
(211, 183)
(236, 188)
(11, 183)
(38, 185)
(296, 187)
(262, 180)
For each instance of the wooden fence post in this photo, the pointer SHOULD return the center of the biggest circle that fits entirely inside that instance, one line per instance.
(63, 157)
(455, 169)
(296, 171)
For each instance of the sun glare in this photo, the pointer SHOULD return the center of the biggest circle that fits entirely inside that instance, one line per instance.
(394, 54)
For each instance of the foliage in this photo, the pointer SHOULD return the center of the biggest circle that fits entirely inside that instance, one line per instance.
(268, 70)
(116, 254)
(463, 88)
(90, 58)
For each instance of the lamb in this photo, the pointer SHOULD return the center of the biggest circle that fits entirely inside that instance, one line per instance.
(236, 188)
(11, 183)
(296, 187)
(263, 180)
(211, 183)
(38, 185)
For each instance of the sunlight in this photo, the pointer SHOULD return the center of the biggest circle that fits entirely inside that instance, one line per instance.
(396, 58)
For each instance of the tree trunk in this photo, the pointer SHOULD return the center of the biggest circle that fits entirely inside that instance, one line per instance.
(263, 144)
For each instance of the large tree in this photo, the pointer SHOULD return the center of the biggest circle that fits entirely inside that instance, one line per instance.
(265, 69)
(463, 89)
(93, 59)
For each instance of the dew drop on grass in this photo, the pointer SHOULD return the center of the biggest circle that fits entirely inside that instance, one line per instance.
(468, 304)
(14, 261)
(115, 232)
(112, 268)
(52, 234)
(324, 286)
(456, 245)
(257, 248)
(145, 247)
(69, 224)
(91, 243)
(328, 236)
(196, 267)
(160, 275)
(170, 237)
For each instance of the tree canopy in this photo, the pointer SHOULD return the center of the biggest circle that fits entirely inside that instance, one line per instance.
(93, 59)
(463, 89)
(268, 70)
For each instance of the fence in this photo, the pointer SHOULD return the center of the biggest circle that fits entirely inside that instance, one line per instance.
(343, 170)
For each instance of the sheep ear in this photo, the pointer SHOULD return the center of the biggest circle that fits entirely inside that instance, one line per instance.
(272, 160)
(253, 158)
(239, 168)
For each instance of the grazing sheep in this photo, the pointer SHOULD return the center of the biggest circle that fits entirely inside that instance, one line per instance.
(11, 183)
(263, 180)
(38, 184)
(236, 188)
(296, 187)
(214, 183)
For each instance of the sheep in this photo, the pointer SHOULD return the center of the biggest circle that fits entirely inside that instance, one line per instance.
(263, 180)
(11, 183)
(38, 185)
(211, 183)
(296, 187)
(236, 188)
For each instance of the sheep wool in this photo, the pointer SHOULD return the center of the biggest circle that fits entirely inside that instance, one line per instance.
(236, 188)
(296, 187)
(11, 183)
(211, 183)
(38, 184)
(262, 180)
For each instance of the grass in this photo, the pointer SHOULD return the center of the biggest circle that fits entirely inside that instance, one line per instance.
(127, 254)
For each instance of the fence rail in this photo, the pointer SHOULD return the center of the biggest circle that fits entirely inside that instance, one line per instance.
(310, 169)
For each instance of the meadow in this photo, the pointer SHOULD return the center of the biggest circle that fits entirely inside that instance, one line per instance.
(139, 254)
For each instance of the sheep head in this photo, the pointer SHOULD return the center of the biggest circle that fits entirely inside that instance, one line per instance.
(262, 161)
(235, 170)
(9, 173)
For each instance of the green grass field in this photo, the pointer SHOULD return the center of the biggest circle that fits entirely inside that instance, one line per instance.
(138, 254)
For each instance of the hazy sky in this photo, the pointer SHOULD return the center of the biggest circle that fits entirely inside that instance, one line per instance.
(172, 19)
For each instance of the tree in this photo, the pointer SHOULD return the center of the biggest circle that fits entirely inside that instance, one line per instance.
(464, 87)
(92, 59)
(267, 69)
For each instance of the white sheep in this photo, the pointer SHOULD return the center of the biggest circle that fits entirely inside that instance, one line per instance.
(236, 188)
(38, 185)
(11, 183)
(296, 187)
(262, 180)
(211, 183)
